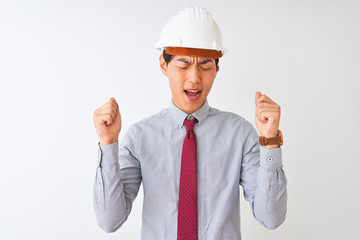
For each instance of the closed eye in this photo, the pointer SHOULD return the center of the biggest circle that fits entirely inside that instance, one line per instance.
(181, 67)
(206, 68)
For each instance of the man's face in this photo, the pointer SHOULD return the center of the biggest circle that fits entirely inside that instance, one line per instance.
(190, 80)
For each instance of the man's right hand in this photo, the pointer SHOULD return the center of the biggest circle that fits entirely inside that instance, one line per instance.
(107, 121)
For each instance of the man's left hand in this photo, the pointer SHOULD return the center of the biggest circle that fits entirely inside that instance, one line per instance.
(267, 116)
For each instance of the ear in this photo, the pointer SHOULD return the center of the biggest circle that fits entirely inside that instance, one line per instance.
(163, 65)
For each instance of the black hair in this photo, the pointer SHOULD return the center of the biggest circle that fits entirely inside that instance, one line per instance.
(169, 57)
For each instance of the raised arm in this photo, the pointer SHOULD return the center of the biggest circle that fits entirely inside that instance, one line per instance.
(262, 177)
(118, 174)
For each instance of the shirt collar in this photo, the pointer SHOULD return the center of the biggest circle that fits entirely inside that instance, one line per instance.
(179, 116)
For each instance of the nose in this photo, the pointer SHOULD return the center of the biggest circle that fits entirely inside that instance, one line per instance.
(194, 75)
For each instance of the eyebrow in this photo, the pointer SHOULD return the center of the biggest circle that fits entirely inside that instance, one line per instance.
(205, 61)
(187, 62)
(182, 60)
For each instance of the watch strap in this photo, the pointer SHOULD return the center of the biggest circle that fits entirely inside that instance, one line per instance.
(271, 141)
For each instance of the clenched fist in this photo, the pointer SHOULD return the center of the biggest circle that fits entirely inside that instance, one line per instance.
(107, 121)
(267, 116)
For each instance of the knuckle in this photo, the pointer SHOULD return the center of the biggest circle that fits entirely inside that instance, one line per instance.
(108, 109)
(102, 109)
(112, 106)
(108, 104)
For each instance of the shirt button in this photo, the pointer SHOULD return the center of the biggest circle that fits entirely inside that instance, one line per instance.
(270, 187)
(269, 159)
(191, 117)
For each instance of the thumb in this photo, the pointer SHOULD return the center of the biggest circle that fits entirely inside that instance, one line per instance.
(257, 96)
(112, 99)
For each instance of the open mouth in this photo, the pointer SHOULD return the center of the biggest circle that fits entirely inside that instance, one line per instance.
(192, 94)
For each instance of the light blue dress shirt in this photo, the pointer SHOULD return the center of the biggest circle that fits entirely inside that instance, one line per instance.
(228, 155)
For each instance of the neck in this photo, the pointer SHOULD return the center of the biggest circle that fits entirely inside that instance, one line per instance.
(186, 110)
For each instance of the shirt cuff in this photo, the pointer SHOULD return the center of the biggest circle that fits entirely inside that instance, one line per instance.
(108, 154)
(270, 158)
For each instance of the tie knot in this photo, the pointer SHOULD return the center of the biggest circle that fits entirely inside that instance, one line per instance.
(189, 124)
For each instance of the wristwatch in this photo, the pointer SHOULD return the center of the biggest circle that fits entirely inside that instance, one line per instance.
(271, 141)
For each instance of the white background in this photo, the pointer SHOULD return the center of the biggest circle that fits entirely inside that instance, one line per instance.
(60, 60)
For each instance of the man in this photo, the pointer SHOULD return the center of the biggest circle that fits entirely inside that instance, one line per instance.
(190, 157)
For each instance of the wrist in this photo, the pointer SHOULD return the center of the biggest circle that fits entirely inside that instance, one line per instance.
(107, 142)
(272, 146)
(272, 142)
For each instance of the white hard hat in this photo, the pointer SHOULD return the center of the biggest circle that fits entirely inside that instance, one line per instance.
(192, 28)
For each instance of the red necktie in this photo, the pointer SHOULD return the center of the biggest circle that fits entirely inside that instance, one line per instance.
(187, 211)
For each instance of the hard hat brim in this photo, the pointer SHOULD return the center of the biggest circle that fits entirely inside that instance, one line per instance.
(206, 53)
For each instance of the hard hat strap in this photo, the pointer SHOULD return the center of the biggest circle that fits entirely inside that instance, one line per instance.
(207, 53)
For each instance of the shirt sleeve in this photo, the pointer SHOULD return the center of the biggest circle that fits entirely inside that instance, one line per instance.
(263, 180)
(117, 182)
